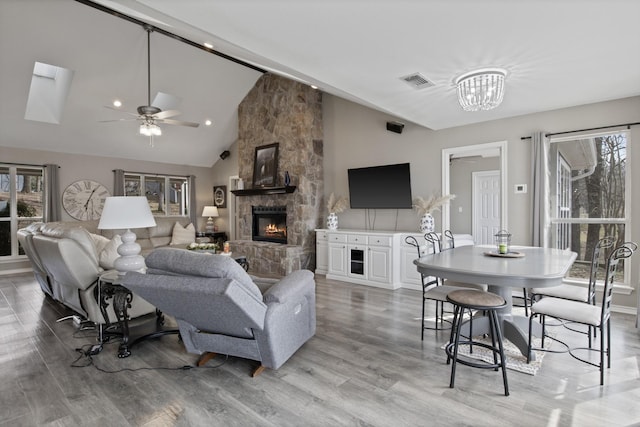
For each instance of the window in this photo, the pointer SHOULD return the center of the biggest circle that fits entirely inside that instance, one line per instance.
(589, 190)
(21, 203)
(167, 195)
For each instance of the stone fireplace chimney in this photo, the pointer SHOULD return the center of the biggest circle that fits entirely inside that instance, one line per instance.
(289, 113)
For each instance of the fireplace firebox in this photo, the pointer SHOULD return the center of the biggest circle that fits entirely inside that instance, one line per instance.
(269, 223)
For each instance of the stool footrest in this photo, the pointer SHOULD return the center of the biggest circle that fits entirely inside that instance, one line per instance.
(464, 359)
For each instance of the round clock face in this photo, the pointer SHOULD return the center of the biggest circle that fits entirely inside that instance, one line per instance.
(84, 199)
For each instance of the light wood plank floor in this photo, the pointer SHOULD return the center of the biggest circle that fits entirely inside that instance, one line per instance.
(366, 366)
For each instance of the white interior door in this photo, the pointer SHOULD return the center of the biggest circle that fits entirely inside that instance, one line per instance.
(486, 206)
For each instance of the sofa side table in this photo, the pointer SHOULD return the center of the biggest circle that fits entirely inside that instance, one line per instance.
(110, 288)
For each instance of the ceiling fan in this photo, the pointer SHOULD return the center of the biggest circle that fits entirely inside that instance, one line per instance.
(149, 115)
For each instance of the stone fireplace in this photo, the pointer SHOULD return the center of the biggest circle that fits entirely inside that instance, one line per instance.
(269, 224)
(279, 110)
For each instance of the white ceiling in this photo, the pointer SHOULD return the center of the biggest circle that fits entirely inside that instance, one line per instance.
(558, 53)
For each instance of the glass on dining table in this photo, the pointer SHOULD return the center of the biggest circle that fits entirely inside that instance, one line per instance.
(503, 241)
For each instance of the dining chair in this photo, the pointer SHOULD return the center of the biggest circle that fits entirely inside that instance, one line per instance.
(583, 313)
(434, 288)
(574, 292)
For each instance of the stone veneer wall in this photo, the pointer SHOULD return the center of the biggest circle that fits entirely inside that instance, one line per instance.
(289, 113)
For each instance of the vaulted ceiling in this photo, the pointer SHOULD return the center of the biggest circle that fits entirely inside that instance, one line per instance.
(557, 53)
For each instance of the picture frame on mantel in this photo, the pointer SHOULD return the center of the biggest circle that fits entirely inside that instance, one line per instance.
(265, 166)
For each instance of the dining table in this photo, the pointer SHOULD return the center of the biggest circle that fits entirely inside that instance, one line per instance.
(522, 267)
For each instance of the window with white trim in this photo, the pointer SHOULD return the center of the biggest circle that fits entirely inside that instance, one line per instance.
(167, 195)
(21, 204)
(589, 192)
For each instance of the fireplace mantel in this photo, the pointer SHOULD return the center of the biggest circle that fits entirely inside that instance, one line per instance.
(265, 190)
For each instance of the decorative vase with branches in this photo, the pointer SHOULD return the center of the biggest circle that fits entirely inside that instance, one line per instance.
(426, 207)
(335, 205)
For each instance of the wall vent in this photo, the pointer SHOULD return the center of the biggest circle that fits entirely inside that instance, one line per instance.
(417, 81)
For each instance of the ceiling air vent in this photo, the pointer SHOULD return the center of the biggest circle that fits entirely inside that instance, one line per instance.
(417, 81)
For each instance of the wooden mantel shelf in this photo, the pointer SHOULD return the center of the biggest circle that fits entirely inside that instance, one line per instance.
(260, 191)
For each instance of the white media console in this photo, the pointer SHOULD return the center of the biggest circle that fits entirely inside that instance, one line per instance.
(370, 257)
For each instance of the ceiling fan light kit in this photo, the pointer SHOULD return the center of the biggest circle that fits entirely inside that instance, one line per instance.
(149, 115)
(481, 90)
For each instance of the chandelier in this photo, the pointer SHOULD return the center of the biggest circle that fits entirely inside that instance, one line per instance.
(481, 89)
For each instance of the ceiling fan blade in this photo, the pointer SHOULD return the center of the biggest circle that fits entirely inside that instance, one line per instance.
(120, 111)
(166, 114)
(117, 120)
(179, 123)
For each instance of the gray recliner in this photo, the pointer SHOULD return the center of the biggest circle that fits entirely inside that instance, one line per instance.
(220, 309)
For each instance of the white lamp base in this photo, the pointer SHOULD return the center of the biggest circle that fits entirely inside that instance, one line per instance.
(130, 258)
(210, 227)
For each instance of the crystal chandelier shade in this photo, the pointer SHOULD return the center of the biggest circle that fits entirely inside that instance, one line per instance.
(481, 89)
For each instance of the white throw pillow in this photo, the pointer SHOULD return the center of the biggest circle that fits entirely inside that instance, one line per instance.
(99, 241)
(110, 252)
(182, 235)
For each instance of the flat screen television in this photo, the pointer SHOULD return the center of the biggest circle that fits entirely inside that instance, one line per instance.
(380, 187)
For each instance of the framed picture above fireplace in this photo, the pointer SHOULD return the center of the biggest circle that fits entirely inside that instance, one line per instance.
(265, 165)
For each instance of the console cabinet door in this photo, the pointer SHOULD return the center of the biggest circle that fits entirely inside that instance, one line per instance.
(379, 264)
(338, 259)
(322, 253)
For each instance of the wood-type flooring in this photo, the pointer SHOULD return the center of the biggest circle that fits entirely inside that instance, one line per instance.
(366, 366)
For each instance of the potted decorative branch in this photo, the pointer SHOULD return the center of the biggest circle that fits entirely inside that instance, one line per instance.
(335, 205)
(425, 208)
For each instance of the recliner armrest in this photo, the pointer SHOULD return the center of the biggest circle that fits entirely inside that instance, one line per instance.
(298, 282)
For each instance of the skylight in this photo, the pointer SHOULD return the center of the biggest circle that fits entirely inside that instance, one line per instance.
(48, 92)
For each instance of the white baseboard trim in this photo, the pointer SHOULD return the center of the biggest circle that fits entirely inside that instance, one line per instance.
(624, 309)
(16, 271)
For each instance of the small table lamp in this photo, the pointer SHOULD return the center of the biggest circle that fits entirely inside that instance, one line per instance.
(123, 212)
(210, 212)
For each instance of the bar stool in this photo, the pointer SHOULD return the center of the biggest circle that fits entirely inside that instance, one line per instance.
(487, 302)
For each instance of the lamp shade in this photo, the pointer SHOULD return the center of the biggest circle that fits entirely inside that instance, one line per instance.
(210, 211)
(122, 212)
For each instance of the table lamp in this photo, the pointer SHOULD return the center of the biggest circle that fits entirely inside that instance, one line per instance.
(210, 212)
(122, 212)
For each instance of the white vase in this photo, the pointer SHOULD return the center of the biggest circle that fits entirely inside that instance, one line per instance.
(427, 223)
(332, 221)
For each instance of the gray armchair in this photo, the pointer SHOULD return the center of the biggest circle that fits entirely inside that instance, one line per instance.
(219, 308)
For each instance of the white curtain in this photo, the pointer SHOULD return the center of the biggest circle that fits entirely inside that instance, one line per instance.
(540, 191)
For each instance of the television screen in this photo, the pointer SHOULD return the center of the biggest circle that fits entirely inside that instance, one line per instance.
(380, 187)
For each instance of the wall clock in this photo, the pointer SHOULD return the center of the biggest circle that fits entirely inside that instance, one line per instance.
(220, 196)
(84, 199)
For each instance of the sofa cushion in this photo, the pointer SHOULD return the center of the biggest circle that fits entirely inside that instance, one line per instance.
(99, 241)
(180, 262)
(182, 235)
(109, 253)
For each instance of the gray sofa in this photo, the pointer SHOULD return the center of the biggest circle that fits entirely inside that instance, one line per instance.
(219, 308)
(66, 261)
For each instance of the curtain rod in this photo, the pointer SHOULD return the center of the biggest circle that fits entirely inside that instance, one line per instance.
(153, 174)
(169, 34)
(628, 126)
(24, 164)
